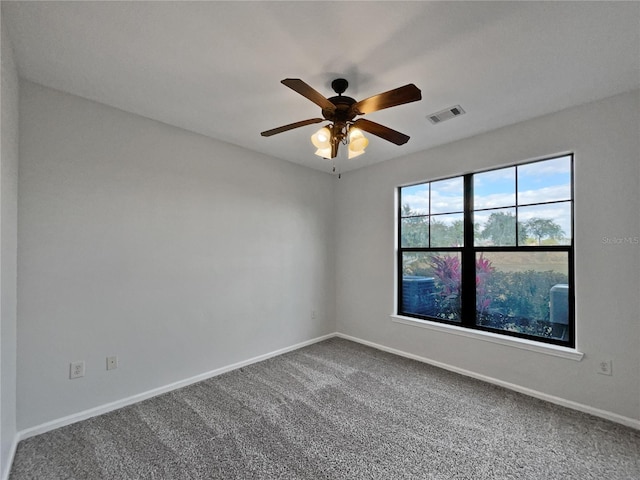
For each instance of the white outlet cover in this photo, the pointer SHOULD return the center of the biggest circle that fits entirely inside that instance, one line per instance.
(76, 369)
(605, 367)
(112, 363)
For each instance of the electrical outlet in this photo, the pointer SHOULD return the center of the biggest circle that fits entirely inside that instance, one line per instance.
(76, 369)
(112, 363)
(313, 314)
(605, 367)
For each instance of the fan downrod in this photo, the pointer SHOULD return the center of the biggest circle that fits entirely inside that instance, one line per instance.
(341, 114)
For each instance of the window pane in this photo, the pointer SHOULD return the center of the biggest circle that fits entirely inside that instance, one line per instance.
(414, 200)
(415, 232)
(545, 224)
(447, 230)
(494, 189)
(447, 196)
(431, 284)
(524, 292)
(495, 227)
(546, 181)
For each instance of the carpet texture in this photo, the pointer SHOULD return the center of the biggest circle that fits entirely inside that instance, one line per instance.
(336, 410)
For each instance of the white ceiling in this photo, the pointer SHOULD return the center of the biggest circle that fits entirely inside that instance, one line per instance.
(215, 67)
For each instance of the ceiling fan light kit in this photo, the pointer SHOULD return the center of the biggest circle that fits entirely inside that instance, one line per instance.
(340, 111)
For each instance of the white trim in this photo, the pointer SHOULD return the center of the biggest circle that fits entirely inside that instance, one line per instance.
(9, 459)
(108, 407)
(522, 343)
(614, 417)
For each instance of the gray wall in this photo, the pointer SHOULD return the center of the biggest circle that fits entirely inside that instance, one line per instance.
(176, 252)
(8, 250)
(182, 254)
(605, 138)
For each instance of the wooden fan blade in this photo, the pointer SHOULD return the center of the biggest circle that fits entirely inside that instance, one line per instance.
(306, 91)
(291, 126)
(399, 96)
(381, 131)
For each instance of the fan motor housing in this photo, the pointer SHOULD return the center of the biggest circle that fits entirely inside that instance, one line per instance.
(341, 113)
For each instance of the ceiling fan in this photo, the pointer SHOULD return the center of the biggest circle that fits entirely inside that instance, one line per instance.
(341, 111)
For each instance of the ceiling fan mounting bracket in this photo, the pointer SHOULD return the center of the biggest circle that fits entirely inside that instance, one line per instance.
(339, 85)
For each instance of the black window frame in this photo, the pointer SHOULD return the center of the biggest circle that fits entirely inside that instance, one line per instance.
(468, 253)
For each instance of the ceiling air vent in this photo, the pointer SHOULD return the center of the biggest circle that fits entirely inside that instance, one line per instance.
(446, 114)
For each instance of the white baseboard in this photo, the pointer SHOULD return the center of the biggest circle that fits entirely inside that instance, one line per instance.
(108, 407)
(92, 412)
(12, 453)
(614, 417)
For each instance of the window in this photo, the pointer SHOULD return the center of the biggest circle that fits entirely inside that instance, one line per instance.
(491, 251)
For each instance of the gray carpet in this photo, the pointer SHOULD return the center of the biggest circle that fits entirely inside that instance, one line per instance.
(336, 410)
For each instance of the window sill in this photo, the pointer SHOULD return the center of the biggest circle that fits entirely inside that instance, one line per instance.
(521, 343)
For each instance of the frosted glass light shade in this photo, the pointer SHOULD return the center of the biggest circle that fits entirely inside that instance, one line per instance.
(357, 142)
(354, 154)
(323, 152)
(322, 138)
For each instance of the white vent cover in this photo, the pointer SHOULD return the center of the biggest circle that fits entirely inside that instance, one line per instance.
(445, 114)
